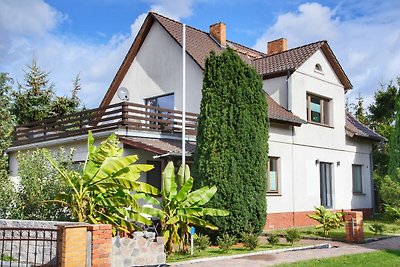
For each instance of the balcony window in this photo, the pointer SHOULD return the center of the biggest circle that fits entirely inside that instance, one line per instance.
(161, 117)
(318, 109)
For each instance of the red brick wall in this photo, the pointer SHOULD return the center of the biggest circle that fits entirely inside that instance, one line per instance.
(296, 219)
(101, 245)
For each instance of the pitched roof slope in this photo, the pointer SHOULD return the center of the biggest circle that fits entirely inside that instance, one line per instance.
(278, 113)
(199, 44)
(292, 59)
(355, 128)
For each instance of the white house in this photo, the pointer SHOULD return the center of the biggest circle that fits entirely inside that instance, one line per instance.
(319, 154)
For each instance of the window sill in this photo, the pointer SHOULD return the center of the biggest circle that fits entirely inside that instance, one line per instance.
(320, 124)
(274, 194)
(359, 194)
(318, 71)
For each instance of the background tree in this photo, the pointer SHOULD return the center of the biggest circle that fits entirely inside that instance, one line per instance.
(7, 192)
(35, 100)
(359, 111)
(39, 182)
(232, 143)
(394, 144)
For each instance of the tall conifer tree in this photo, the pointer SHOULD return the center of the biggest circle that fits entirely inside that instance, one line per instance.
(232, 142)
(394, 145)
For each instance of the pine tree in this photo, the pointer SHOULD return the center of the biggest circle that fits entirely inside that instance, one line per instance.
(394, 145)
(36, 100)
(232, 142)
(359, 111)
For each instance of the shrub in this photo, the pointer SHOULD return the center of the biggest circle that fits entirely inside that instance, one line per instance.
(232, 142)
(377, 228)
(250, 240)
(393, 213)
(328, 220)
(292, 235)
(225, 242)
(202, 242)
(273, 239)
(40, 182)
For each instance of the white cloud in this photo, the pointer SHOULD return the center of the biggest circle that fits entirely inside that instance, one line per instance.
(66, 55)
(366, 45)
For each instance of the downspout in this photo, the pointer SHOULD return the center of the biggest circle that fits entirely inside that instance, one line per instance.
(371, 164)
(289, 92)
(293, 192)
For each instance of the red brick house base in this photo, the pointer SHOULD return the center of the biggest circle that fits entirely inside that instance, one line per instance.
(296, 219)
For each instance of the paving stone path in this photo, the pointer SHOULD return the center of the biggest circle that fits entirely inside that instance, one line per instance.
(338, 249)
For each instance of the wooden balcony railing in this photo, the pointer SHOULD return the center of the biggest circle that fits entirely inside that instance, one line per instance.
(124, 115)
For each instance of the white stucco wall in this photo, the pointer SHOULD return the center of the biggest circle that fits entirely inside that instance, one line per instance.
(277, 88)
(157, 70)
(312, 142)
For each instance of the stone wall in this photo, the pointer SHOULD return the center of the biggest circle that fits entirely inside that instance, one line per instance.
(143, 249)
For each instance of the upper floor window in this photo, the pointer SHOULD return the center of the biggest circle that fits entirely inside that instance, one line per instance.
(318, 67)
(161, 115)
(318, 109)
(273, 175)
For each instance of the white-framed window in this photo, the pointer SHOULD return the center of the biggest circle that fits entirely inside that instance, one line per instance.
(273, 176)
(318, 109)
(357, 179)
(318, 67)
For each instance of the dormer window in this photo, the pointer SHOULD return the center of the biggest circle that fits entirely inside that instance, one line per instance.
(318, 67)
(318, 109)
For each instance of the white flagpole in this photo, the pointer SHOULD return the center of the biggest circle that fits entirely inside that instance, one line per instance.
(184, 95)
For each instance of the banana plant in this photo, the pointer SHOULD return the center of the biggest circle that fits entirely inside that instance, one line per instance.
(182, 208)
(102, 191)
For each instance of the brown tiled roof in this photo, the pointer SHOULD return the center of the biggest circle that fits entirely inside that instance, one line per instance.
(278, 113)
(158, 146)
(355, 128)
(199, 44)
(292, 59)
(287, 60)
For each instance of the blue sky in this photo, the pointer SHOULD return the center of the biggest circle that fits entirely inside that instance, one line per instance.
(91, 37)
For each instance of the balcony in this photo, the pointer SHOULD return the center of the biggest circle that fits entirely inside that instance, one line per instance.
(126, 116)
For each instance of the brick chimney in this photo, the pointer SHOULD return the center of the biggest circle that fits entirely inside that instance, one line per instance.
(218, 31)
(276, 46)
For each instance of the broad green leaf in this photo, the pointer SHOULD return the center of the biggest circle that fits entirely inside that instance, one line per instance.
(169, 183)
(200, 196)
(184, 191)
(215, 212)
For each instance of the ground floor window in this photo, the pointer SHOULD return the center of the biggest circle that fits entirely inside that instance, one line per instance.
(273, 175)
(325, 170)
(357, 179)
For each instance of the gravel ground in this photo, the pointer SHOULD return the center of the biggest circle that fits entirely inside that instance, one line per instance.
(338, 249)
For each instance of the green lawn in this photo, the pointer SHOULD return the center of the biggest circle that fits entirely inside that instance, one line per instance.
(340, 233)
(384, 258)
(215, 252)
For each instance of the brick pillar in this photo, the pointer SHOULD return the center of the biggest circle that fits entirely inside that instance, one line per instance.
(73, 245)
(101, 244)
(354, 226)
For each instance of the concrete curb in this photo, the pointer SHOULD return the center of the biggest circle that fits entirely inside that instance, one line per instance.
(273, 251)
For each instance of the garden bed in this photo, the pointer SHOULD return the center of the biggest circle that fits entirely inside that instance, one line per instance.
(238, 249)
(340, 234)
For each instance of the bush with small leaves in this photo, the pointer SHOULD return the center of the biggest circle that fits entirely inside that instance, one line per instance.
(273, 239)
(292, 235)
(250, 240)
(225, 242)
(377, 228)
(202, 242)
